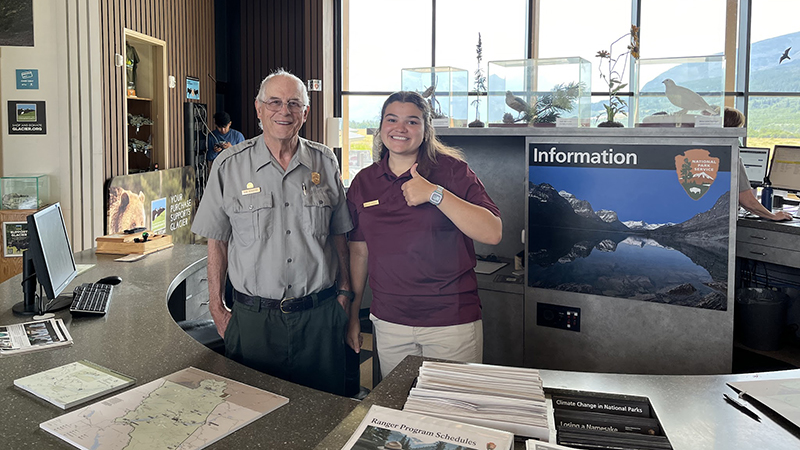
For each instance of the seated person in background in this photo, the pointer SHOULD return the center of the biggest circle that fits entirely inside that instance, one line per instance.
(223, 136)
(747, 200)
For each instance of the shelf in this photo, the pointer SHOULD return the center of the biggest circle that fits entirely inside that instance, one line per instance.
(140, 98)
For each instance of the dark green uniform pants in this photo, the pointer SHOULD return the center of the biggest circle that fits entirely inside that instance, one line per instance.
(305, 347)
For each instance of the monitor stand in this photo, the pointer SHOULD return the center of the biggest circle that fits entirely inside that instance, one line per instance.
(29, 305)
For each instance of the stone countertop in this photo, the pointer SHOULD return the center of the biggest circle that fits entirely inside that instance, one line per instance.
(139, 338)
(690, 407)
(788, 227)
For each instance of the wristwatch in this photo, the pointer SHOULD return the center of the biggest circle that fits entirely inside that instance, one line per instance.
(349, 294)
(436, 196)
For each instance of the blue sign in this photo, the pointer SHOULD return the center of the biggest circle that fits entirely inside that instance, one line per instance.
(27, 78)
(192, 88)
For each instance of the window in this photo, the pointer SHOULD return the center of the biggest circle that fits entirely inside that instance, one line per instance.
(383, 37)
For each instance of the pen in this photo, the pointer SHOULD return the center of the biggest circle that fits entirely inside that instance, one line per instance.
(304, 188)
(741, 408)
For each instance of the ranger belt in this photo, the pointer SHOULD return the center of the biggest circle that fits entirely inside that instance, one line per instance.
(289, 304)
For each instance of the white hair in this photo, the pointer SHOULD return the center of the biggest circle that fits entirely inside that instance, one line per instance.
(284, 73)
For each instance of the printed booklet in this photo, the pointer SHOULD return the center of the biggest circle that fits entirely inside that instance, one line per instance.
(73, 384)
(390, 429)
(33, 336)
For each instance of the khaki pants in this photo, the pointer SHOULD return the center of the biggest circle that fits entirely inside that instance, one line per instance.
(455, 342)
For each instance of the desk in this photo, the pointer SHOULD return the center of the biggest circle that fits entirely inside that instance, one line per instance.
(139, 338)
(769, 241)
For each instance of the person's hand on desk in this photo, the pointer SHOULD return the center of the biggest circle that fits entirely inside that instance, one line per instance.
(781, 216)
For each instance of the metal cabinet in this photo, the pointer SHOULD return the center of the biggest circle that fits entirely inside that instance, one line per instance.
(503, 325)
(770, 246)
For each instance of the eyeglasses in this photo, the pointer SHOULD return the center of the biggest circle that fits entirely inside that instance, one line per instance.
(276, 105)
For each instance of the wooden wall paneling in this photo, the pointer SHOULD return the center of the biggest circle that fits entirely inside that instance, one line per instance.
(187, 29)
(117, 94)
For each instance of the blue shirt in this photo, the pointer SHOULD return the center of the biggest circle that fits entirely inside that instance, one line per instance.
(232, 136)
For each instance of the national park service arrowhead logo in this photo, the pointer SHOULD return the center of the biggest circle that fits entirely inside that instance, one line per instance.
(697, 170)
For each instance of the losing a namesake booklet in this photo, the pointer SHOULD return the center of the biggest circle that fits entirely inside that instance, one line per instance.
(390, 429)
(72, 384)
(33, 336)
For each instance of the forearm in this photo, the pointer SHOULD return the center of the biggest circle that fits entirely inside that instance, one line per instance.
(217, 269)
(477, 222)
(358, 270)
(749, 202)
(343, 275)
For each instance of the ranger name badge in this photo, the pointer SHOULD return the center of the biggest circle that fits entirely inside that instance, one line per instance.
(372, 203)
(250, 189)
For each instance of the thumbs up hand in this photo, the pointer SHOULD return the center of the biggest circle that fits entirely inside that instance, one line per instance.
(417, 190)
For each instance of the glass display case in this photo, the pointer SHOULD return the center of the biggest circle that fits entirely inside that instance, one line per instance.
(445, 88)
(680, 92)
(540, 92)
(24, 191)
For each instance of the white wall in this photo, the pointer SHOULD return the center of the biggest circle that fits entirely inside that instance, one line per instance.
(66, 52)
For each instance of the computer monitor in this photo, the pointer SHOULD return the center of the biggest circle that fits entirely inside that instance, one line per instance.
(48, 260)
(756, 162)
(784, 171)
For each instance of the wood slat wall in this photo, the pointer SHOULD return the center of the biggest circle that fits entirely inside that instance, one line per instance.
(288, 34)
(187, 27)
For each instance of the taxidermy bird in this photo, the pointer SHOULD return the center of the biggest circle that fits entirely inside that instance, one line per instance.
(785, 55)
(687, 99)
(518, 104)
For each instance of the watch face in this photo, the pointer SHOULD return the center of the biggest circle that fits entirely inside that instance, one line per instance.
(436, 197)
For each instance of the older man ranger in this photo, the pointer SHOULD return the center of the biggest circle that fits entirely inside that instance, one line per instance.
(275, 216)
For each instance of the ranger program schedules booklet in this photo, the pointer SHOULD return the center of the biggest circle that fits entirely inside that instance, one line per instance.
(33, 336)
(389, 429)
(73, 384)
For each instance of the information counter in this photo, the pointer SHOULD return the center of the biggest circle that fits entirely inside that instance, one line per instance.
(139, 338)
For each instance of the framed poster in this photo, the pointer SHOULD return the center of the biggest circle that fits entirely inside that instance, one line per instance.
(27, 117)
(640, 222)
(192, 88)
(15, 238)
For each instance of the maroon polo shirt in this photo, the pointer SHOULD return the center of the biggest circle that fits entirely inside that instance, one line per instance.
(420, 265)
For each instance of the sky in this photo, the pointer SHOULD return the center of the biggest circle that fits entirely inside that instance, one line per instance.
(654, 196)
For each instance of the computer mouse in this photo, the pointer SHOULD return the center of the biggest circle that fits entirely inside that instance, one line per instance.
(112, 280)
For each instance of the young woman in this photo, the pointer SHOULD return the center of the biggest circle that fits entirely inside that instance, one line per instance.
(415, 214)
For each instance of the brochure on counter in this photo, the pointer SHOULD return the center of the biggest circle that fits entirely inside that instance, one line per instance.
(503, 398)
(387, 429)
(72, 384)
(33, 336)
(532, 444)
(188, 410)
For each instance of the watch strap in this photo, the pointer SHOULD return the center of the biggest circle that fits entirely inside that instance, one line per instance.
(349, 294)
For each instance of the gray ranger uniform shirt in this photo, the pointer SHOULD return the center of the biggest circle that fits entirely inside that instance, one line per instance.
(278, 224)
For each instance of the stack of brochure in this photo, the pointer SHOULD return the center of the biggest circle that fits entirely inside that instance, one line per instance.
(73, 384)
(389, 429)
(33, 336)
(505, 398)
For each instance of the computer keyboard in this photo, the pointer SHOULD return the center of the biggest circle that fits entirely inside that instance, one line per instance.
(91, 298)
